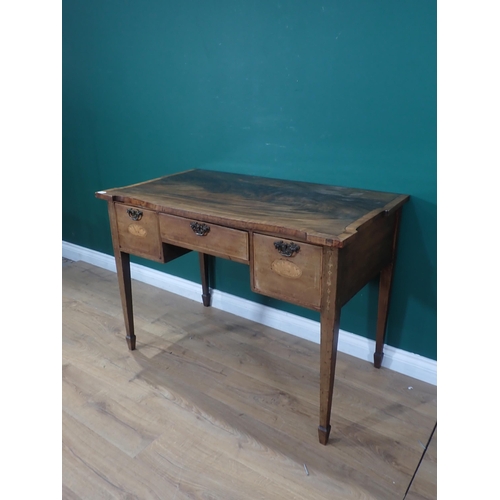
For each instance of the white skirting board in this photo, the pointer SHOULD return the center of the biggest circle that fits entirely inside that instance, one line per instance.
(398, 360)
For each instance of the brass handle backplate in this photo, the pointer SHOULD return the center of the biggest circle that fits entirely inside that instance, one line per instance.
(134, 214)
(200, 229)
(286, 249)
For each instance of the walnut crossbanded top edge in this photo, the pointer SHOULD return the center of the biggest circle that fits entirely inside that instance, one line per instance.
(314, 213)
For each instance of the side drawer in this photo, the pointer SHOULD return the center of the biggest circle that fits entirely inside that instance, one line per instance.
(138, 232)
(205, 237)
(295, 278)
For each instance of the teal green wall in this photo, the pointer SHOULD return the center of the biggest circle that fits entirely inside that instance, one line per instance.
(324, 91)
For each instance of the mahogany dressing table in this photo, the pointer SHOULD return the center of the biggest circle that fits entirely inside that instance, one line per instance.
(308, 244)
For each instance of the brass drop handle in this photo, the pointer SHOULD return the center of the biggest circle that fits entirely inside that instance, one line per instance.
(200, 229)
(286, 249)
(134, 214)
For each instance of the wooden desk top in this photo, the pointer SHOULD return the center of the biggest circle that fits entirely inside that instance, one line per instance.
(314, 213)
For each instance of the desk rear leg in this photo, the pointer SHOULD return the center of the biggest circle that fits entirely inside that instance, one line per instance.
(384, 296)
(205, 284)
(383, 313)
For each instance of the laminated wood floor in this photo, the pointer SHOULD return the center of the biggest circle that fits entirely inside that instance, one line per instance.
(212, 406)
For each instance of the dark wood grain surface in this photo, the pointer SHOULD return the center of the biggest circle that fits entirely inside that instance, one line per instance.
(317, 213)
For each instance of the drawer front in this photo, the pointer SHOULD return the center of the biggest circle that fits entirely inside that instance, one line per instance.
(294, 277)
(205, 237)
(138, 232)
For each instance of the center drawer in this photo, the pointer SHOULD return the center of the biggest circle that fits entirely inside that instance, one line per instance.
(205, 237)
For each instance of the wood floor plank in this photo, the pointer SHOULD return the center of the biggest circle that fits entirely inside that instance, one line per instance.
(116, 421)
(96, 469)
(214, 406)
(67, 492)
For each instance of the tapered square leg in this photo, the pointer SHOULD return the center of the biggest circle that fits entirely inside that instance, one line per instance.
(328, 360)
(384, 296)
(122, 260)
(125, 285)
(383, 313)
(330, 320)
(205, 284)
